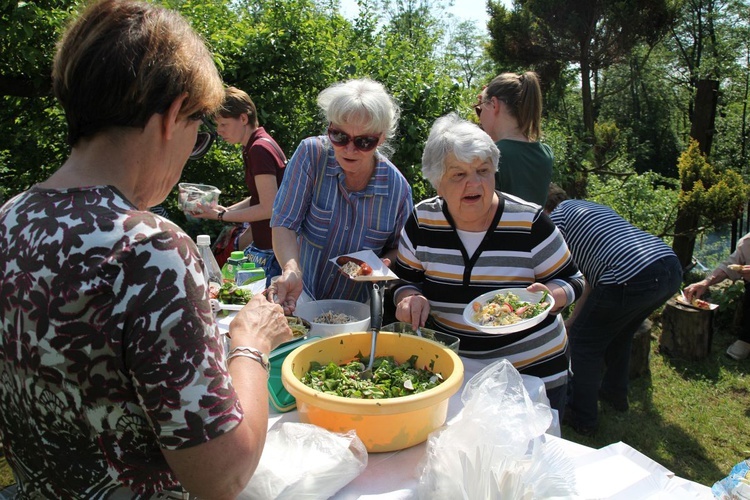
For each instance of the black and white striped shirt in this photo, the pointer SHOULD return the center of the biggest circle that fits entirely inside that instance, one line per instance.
(607, 248)
(521, 247)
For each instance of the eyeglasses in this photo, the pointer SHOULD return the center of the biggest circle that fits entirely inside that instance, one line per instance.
(204, 140)
(363, 143)
(478, 108)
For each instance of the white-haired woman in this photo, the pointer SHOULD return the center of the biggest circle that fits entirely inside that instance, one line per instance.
(471, 239)
(340, 194)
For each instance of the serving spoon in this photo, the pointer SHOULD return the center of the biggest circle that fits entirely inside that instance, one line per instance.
(376, 321)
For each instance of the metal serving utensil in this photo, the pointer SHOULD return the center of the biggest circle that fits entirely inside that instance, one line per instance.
(376, 321)
(312, 298)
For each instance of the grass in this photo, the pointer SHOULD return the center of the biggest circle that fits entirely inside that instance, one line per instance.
(6, 476)
(691, 417)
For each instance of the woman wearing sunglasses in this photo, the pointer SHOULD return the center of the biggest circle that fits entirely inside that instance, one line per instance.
(510, 111)
(340, 194)
(114, 381)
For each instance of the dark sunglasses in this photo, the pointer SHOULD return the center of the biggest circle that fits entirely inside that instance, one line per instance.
(204, 140)
(363, 143)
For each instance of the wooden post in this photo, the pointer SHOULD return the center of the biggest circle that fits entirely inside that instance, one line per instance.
(686, 332)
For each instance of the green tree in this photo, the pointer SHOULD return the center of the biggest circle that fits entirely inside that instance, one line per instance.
(592, 34)
(707, 195)
(27, 41)
(405, 58)
(648, 200)
(33, 138)
(465, 55)
(652, 112)
(705, 43)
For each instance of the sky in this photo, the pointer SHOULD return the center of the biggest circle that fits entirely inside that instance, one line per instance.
(474, 10)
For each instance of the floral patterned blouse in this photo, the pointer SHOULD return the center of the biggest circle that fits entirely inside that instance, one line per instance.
(109, 351)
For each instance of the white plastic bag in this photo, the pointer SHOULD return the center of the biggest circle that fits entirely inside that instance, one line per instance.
(304, 461)
(496, 449)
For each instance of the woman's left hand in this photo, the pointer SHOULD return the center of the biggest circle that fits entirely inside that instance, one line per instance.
(541, 287)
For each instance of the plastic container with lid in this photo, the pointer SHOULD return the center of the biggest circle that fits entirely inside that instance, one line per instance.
(248, 273)
(278, 397)
(232, 265)
(191, 196)
(450, 341)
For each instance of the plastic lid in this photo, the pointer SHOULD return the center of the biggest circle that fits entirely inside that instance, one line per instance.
(203, 239)
(237, 255)
(247, 265)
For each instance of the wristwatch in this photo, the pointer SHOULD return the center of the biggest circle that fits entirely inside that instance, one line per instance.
(221, 216)
(252, 353)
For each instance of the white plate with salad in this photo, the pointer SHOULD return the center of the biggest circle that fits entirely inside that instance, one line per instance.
(508, 310)
(232, 297)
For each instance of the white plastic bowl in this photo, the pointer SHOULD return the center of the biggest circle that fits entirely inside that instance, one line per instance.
(524, 295)
(313, 309)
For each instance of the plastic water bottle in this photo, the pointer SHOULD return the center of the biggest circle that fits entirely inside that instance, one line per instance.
(211, 269)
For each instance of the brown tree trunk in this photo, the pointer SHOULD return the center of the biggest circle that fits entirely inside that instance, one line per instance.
(702, 130)
(686, 332)
(683, 244)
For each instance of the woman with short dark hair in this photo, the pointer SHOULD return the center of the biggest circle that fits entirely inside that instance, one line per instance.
(113, 378)
(264, 161)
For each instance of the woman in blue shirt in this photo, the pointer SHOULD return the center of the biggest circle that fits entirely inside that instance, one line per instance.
(340, 194)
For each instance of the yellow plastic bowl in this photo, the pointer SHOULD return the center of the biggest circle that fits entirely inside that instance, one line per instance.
(382, 424)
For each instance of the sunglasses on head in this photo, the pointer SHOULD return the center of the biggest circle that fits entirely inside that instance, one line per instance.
(204, 140)
(363, 143)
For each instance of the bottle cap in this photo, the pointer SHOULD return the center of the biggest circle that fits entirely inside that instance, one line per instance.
(203, 239)
(237, 255)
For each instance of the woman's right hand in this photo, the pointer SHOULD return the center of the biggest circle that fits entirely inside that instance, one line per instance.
(260, 324)
(413, 309)
(695, 290)
(286, 289)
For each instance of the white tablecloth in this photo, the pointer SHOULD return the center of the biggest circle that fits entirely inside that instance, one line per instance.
(400, 467)
(613, 472)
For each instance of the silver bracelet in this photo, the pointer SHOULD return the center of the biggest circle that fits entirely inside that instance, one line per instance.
(252, 353)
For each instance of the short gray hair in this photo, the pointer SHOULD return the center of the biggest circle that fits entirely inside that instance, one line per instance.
(452, 134)
(362, 102)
